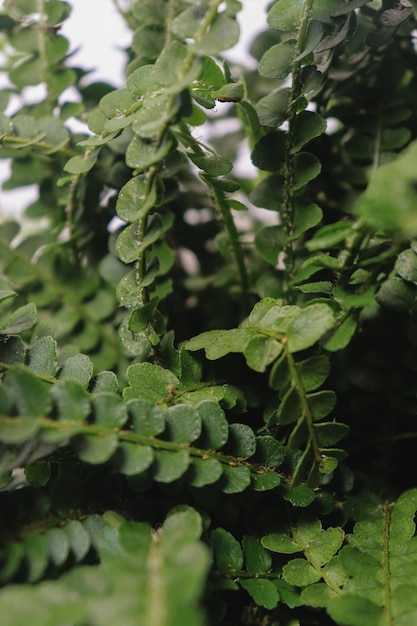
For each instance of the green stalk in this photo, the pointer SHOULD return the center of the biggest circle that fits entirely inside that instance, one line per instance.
(305, 408)
(287, 207)
(42, 34)
(230, 225)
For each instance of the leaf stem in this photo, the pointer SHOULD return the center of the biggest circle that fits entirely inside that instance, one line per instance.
(74, 428)
(287, 206)
(306, 414)
(230, 225)
(386, 555)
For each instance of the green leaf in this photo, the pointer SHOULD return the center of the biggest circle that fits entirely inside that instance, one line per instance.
(96, 449)
(17, 430)
(329, 236)
(228, 555)
(30, 394)
(263, 592)
(235, 479)
(12, 557)
(272, 109)
(22, 319)
(169, 466)
(135, 199)
(115, 103)
(286, 14)
(390, 197)
(308, 125)
(241, 442)
(354, 610)
(36, 556)
(281, 543)
(140, 82)
(290, 408)
(406, 265)
(43, 357)
(218, 343)
(231, 92)
(306, 216)
(183, 423)
(58, 546)
(105, 381)
(301, 495)
(277, 61)
(29, 72)
(342, 335)
(307, 167)
(329, 433)
(350, 299)
(222, 35)
(346, 7)
(38, 474)
(188, 22)
(270, 152)
(147, 419)
(133, 459)
(325, 545)
(171, 68)
(142, 154)
(317, 595)
(109, 410)
(269, 451)
(321, 403)
(213, 165)
(129, 248)
(79, 539)
(150, 382)
(257, 559)
(309, 326)
(265, 481)
(261, 351)
(268, 194)
(71, 400)
(204, 472)
(5, 294)
(313, 372)
(80, 165)
(300, 573)
(215, 428)
(78, 368)
(182, 525)
(269, 242)
(154, 116)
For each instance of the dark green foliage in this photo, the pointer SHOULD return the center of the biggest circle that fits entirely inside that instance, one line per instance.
(207, 418)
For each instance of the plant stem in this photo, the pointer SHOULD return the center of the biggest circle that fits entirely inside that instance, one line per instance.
(287, 207)
(306, 414)
(230, 225)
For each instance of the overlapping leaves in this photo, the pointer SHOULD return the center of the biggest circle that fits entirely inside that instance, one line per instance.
(162, 429)
(82, 315)
(271, 335)
(135, 580)
(380, 559)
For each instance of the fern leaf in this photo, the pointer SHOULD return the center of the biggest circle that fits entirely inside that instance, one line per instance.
(381, 561)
